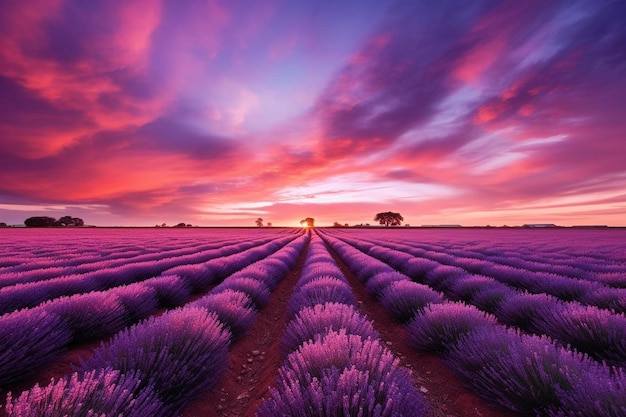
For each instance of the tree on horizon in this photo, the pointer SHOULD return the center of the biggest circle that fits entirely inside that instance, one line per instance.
(259, 222)
(389, 218)
(46, 221)
(310, 222)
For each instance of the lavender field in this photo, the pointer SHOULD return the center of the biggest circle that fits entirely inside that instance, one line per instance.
(531, 321)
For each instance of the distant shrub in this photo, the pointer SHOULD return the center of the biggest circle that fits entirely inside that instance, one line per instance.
(101, 392)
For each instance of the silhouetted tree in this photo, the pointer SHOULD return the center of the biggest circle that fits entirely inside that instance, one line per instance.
(3, 224)
(259, 222)
(310, 221)
(69, 221)
(269, 224)
(389, 218)
(182, 224)
(40, 221)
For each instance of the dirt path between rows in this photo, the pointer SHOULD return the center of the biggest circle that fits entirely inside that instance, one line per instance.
(445, 393)
(254, 359)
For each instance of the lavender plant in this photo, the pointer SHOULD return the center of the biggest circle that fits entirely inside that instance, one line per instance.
(90, 316)
(405, 299)
(178, 354)
(319, 291)
(524, 373)
(343, 373)
(171, 290)
(23, 352)
(256, 290)
(320, 319)
(439, 326)
(102, 392)
(138, 299)
(378, 282)
(234, 309)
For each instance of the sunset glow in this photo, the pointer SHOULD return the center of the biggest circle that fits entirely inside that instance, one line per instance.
(217, 113)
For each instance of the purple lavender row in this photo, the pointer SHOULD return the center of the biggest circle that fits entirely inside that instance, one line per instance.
(169, 360)
(31, 294)
(568, 289)
(238, 298)
(596, 332)
(527, 374)
(603, 263)
(401, 296)
(38, 271)
(334, 362)
(524, 373)
(536, 282)
(82, 317)
(119, 253)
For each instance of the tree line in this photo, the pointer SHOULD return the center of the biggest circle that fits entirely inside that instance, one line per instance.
(46, 221)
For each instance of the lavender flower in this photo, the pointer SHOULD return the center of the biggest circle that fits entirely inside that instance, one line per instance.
(29, 340)
(321, 319)
(439, 326)
(319, 291)
(171, 290)
(179, 354)
(258, 292)
(443, 277)
(489, 299)
(339, 373)
(599, 333)
(90, 316)
(346, 392)
(102, 392)
(138, 299)
(522, 310)
(234, 310)
(378, 282)
(199, 277)
(524, 373)
(404, 299)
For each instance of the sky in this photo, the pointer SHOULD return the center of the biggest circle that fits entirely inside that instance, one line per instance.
(216, 113)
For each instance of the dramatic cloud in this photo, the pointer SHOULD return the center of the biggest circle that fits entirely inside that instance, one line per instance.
(216, 113)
